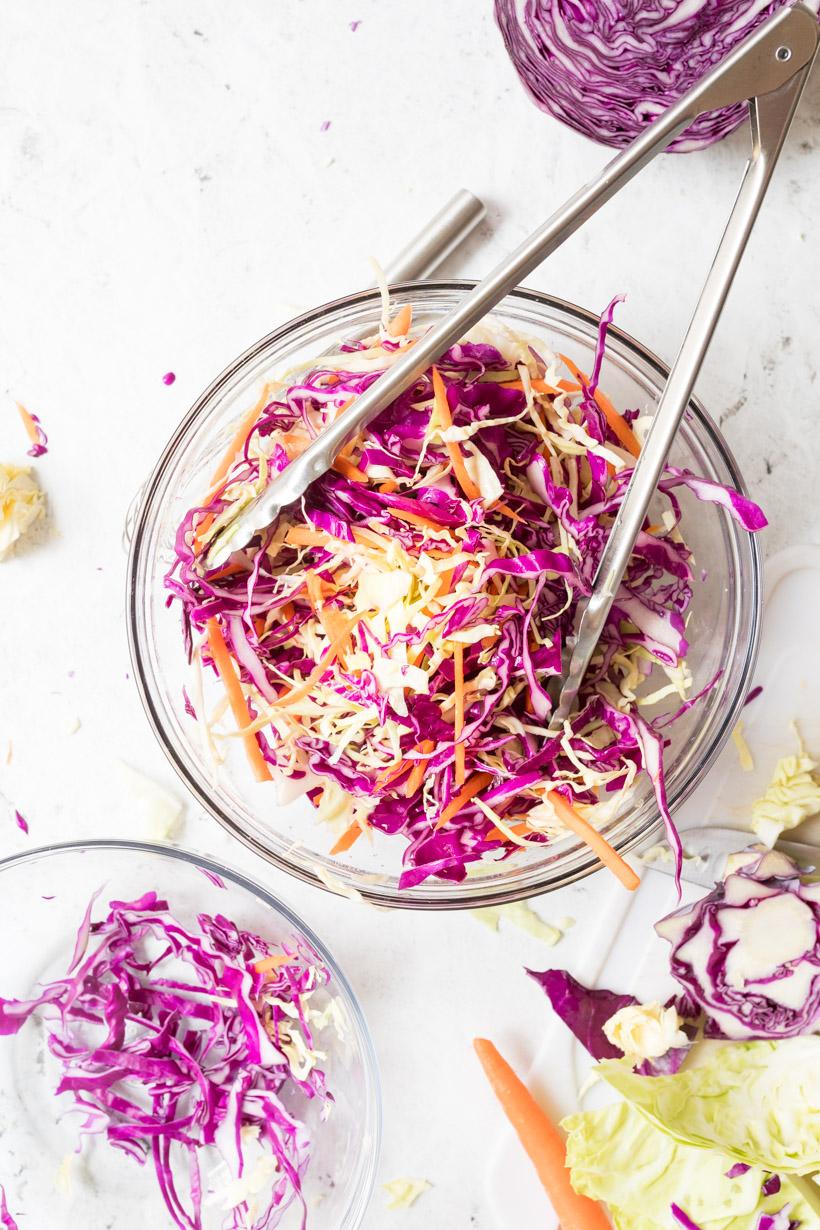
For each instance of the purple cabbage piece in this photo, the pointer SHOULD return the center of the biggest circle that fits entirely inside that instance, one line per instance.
(585, 1011)
(154, 1086)
(704, 935)
(739, 1168)
(609, 69)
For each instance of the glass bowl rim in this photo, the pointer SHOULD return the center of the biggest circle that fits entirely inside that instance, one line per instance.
(497, 894)
(363, 1195)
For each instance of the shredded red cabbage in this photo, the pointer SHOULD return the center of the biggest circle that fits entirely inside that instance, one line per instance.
(172, 1041)
(443, 557)
(609, 69)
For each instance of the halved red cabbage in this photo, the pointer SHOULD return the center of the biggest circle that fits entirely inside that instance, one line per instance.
(171, 1041)
(608, 69)
(749, 951)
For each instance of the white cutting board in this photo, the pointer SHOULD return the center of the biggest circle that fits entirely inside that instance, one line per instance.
(620, 950)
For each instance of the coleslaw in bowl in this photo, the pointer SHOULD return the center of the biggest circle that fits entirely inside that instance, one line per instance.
(710, 586)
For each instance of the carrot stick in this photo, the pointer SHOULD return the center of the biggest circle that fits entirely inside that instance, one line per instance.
(445, 420)
(315, 675)
(595, 840)
(500, 506)
(239, 706)
(620, 428)
(401, 322)
(268, 963)
(29, 423)
(458, 683)
(347, 468)
(419, 769)
(417, 519)
(476, 783)
(542, 1142)
(348, 837)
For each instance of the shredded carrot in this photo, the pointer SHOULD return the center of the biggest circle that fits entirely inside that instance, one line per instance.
(401, 322)
(620, 428)
(445, 420)
(458, 685)
(522, 829)
(542, 1142)
(269, 963)
(445, 582)
(595, 840)
(29, 423)
(476, 784)
(417, 519)
(239, 706)
(348, 837)
(238, 439)
(331, 619)
(413, 783)
(389, 775)
(500, 506)
(389, 487)
(342, 466)
(230, 570)
(332, 651)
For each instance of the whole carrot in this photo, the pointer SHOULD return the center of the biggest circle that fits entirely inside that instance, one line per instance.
(542, 1141)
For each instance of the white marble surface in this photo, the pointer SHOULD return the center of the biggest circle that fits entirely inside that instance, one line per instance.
(166, 187)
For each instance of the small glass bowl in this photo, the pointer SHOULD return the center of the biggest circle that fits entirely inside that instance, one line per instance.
(43, 896)
(723, 626)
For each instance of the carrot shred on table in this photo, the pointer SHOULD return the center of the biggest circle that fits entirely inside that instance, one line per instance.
(348, 837)
(542, 1142)
(413, 783)
(29, 423)
(239, 706)
(458, 686)
(596, 841)
(401, 322)
(445, 420)
(468, 791)
(619, 426)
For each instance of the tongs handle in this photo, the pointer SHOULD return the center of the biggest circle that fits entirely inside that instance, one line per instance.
(764, 61)
(771, 116)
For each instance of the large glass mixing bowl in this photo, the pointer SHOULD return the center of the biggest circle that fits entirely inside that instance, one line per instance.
(723, 624)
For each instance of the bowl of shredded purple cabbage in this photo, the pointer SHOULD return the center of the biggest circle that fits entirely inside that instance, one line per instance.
(363, 694)
(176, 1050)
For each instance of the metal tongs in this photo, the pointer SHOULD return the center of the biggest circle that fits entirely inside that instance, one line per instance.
(769, 69)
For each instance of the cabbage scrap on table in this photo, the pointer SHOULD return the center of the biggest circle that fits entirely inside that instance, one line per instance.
(608, 70)
(181, 1047)
(392, 639)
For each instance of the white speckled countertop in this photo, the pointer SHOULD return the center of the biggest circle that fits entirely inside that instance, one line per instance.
(167, 186)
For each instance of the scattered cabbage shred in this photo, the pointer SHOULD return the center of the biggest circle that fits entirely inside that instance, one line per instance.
(184, 1048)
(21, 504)
(397, 633)
(608, 69)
